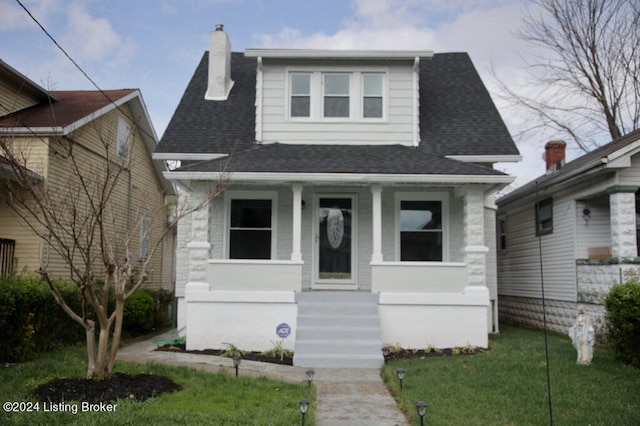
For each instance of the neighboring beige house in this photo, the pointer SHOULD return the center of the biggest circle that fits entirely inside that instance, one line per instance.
(573, 230)
(359, 205)
(99, 126)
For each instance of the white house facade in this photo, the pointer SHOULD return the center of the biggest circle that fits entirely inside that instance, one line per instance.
(354, 181)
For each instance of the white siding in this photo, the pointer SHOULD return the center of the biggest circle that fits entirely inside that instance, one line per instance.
(519, 267)
(396, 129)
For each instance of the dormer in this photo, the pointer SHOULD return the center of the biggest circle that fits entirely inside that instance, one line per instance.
(337, 96)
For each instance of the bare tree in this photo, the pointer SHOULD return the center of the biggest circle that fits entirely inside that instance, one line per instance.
(81, 221)
(584, 80)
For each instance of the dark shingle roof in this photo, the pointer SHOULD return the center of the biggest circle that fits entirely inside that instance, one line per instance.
(588, 160)
(457, 117)
(201, 126)
(383, 159)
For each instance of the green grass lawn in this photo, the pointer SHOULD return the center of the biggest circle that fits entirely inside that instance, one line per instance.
(508, 385)
(206, 399)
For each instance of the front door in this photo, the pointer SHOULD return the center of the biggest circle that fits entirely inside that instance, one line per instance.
(335, 246)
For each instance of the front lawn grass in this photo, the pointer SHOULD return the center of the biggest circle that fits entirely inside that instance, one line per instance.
(206, 399)
(508, 385)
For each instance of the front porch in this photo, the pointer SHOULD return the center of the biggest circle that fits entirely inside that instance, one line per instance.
(365, 238)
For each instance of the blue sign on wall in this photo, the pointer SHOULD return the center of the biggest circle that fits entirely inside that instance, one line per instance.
(283, 330)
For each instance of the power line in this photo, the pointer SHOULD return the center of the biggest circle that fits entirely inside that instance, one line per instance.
(80, 68)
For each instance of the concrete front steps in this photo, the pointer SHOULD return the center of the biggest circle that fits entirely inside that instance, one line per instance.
(338, 329)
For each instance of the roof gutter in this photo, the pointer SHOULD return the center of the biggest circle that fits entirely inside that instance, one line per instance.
(342, 178)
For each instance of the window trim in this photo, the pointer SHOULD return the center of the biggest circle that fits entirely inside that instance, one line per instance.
(123, 126)
(538, 204)
(443, 197)
(356, 94)
(502, 234)
(250, 195)
(144, 238)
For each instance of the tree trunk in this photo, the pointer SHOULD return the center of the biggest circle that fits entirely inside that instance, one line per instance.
(90, 330)
(117, 332)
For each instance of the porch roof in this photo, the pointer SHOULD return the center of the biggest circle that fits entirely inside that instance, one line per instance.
(279, 163)
(358, 159)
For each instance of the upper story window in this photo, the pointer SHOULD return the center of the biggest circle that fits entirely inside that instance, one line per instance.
(300, 95)
(337, 96)
(122, 141)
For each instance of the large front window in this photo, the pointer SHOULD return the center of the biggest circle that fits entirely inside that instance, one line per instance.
(250, 229)
(420, 231)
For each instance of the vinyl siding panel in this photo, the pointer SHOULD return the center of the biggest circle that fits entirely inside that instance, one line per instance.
(396, 128)
(596, 230)
(519, 268)
(13, 99)
(136, 193)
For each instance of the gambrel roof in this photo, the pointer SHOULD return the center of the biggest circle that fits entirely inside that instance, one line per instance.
(457, 118)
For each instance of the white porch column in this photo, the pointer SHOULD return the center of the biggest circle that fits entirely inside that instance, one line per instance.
(376, 192)
(198, 245)
(622, 205)
(296, 253)
(475, 249)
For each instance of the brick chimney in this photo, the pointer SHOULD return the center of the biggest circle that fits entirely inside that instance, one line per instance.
(220, 82)
(554, 155)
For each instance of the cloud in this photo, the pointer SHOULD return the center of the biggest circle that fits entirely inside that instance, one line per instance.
(13, 17)
(94, 39)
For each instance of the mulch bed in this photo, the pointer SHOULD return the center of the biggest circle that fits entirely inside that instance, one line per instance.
(394, 354)
(119, 386)
(251, 356)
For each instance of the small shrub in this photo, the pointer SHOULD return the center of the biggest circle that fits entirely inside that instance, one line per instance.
(139, 312)
(623, 320)
(278, 351)
(232, 350)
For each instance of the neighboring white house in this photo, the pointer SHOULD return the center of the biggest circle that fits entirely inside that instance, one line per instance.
(349, 173)
(574, 230)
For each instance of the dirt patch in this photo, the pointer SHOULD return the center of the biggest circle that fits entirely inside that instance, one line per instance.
(251, 356)
(119, 386)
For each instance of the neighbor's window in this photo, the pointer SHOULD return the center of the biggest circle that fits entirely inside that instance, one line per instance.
(336, 95)
(122, 141)
(421, 231)
(251, 229)
(372, 95)
(544, 217)
(145, 230)
(502, 234)
(300, 95)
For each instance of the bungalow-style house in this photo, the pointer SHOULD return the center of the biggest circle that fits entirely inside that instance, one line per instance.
(573, 230)
(357, 207)
(98, 127)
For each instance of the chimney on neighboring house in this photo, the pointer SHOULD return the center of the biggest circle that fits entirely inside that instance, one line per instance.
(554, 155)
(220, 82)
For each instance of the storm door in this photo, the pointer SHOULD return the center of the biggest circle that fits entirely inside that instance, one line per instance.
(335, 227)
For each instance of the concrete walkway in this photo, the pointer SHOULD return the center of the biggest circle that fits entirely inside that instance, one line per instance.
(354, 396)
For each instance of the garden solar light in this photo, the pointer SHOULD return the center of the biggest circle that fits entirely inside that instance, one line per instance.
(400, 373)
(385, 351)
(310, 374)
(421, 406)
(236, 363)
(304, 406)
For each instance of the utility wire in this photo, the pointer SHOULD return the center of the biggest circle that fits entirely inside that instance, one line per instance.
(80, 68)
(544, 310)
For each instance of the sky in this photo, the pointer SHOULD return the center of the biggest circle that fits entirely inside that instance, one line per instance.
(155, 45)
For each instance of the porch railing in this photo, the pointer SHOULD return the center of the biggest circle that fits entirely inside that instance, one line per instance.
(419, 277)
(255, 275)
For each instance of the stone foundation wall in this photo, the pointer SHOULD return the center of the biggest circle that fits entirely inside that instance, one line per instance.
(527, 311)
